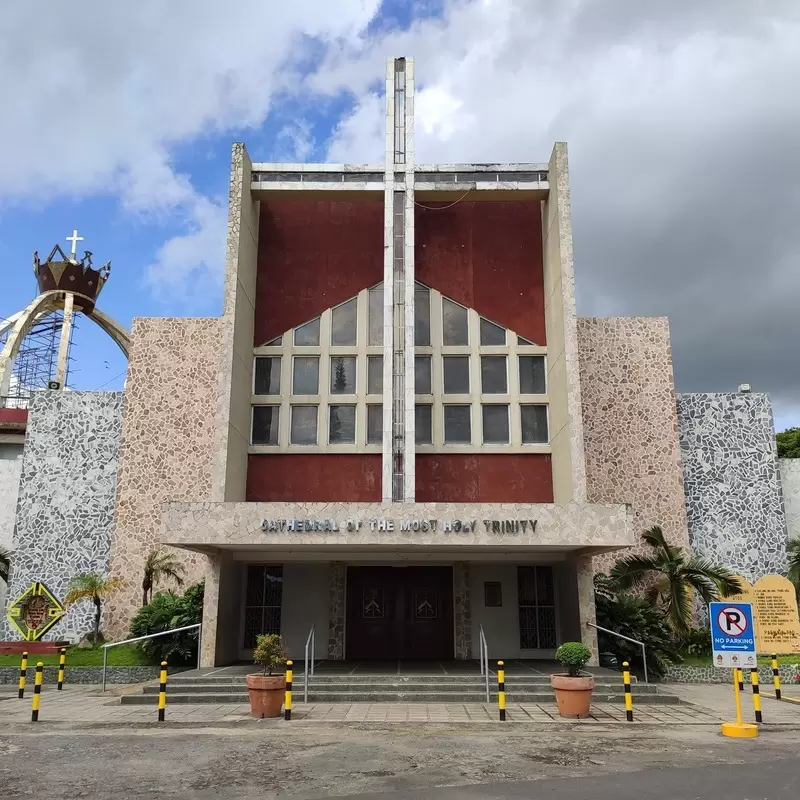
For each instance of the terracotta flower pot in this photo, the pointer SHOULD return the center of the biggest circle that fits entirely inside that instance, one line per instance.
(573, 695)
(266, 695)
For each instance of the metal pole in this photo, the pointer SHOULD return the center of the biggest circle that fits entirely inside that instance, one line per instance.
(199, 645)
(644, 663)
(105, 659)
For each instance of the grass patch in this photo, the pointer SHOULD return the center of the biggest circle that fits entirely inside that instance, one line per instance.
(126, 655)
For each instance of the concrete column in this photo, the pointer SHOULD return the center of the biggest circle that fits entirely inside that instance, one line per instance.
(221, 607)
(208, 644)
(462, 610)
(336, 614)
(584, 582)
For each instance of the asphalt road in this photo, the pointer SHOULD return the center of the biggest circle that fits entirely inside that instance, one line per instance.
(307, 762)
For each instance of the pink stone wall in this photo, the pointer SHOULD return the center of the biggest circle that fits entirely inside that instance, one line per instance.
(167, 446)
(630, 423)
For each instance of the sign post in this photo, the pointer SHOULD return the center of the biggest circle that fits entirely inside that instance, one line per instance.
(733, 644)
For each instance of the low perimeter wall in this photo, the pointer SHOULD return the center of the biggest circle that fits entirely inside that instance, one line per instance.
(682, 673)
(85, 674)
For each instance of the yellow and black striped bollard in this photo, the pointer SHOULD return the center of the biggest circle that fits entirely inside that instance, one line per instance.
(776, 676)
(756, 694)
(61, 664)
(287, 706)
(501, 690)
(162, 692)
(740, 678)
(626, 679)
(37, 692)
(23, 672)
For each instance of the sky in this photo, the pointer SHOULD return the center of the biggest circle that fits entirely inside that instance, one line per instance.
(681, 118)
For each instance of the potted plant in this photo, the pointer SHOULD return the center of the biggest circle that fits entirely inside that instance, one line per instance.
(573, 690)
(267, 690)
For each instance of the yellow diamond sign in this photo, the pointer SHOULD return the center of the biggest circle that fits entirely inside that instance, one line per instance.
(35, 611)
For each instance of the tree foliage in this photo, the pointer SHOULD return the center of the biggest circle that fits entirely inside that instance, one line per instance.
(165, 612)
(789, 443)
(5, 563)
(95, 588)
(160, 565)
(793, 553)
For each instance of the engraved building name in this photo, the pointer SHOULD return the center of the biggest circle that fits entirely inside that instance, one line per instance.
(391, 525)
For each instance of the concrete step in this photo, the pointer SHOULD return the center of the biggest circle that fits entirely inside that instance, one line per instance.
(415, 680)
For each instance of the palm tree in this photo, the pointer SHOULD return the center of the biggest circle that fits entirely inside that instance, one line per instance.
(94, 587)
(793, 552)
(159, 565)
(670, 577)
(5, 563)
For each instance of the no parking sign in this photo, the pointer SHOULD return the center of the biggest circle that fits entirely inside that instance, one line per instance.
(733, 636)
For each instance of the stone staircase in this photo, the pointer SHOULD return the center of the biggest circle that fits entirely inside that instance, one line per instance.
(393, 689)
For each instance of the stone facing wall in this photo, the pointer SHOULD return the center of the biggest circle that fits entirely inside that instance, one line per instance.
(9, 485)
(734, 499)
(66, 497)
(790, 483)
(167, 445)
(630, 425)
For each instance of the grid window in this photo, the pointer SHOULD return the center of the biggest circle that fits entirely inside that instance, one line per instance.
(456, 374)
(268, 375)
(343, 323)
(537, 611)
(422, 374)
(305, 379)
(495, 424)
(265, 424)
(534, 424)
(342, 424)
(304, 425)
(457, 425)
(422, 316)
(307, 335)
(343, 375)
(531, 375)
(375, 313)
(494, 379)
(492, 335)
(422, 424)
(454, 324)
(375, 375)
(374, 424)
(263, 602)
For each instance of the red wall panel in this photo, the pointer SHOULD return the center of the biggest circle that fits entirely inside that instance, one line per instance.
(314, 478)
(314, 254)
(16, 418)
(487, 256)
(490, 478)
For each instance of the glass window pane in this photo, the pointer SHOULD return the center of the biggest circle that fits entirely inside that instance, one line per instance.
(457, 428)
(304, 425)
(343, 323)
(531, 375)
(265, 424)
(422, 316)
(495, 424)
(456, 374)
(276, 342)
(306, 375)
(492, 334)
(524, 342)
(343, 375)
(493, 375)
(342, 424)
(268, 376)
(374, 424)
(375, 335)
(307, 335)
(375, 375)
(454, 323)
(534, 424)
(422, 374)
(422, 424)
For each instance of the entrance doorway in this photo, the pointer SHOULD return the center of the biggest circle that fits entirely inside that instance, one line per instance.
(399, 613)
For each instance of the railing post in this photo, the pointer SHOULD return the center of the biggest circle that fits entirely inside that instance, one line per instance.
(199, 646)
(105, 663)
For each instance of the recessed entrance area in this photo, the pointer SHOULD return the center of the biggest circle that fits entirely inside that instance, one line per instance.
(399, 613)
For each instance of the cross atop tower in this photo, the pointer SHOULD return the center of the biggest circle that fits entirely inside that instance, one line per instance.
(74, 239)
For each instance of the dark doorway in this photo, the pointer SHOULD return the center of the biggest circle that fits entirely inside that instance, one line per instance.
(400, 612)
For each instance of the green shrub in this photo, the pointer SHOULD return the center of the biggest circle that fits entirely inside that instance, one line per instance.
(574, 656)
(166, 611)
(697, 642)
(269, 651)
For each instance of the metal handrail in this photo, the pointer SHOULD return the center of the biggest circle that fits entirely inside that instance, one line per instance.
(484, 657)
(311, 642)
(627, 639)
(107, 647)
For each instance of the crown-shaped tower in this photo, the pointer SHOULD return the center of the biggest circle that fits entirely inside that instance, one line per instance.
(67, 274)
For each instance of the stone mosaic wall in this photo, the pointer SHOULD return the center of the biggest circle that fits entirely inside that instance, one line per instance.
(790, 483)
(66, 497)
(734, 500)
(9, 484)
(462, 610)
(683, 673)
(630, 426)
(337, 610)
(167, 444)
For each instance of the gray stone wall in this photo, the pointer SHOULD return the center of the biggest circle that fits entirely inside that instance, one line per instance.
(790, 482)
(734, 500)
(92, 675)
(66, 497)
(10, 466)
(683, 673)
